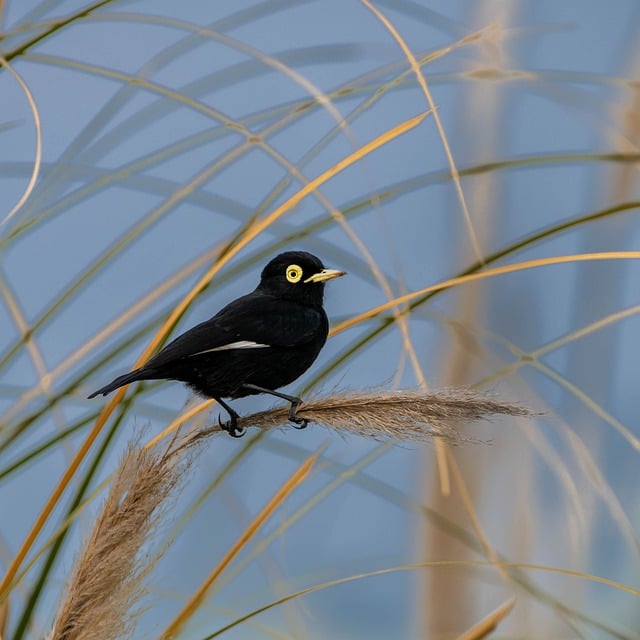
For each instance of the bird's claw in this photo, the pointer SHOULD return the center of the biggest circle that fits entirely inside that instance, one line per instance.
(299, 423)
(231, 427)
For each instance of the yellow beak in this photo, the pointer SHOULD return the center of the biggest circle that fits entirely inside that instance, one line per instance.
(325, 274)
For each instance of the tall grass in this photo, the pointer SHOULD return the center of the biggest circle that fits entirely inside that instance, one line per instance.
(474, 174)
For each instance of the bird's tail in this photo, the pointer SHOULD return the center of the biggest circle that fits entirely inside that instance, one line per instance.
(120, 381)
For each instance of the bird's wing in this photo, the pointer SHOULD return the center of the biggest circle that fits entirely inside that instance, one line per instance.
(272, 321)
(251, 322)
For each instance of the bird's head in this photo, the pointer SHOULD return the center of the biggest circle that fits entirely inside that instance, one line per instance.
(297, 275)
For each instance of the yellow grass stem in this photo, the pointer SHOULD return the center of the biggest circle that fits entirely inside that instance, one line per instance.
(4, 617)
(473, 514)
(298, 477)
(201, 407)
(485, 626)
(481, 275)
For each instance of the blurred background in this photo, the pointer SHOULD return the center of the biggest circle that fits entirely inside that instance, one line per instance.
(140, 141)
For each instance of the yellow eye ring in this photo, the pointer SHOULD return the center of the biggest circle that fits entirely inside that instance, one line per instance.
(294, 273)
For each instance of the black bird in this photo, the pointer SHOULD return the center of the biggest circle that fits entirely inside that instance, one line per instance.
(256, 344)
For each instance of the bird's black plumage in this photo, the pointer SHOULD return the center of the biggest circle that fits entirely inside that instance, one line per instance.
(256, 344)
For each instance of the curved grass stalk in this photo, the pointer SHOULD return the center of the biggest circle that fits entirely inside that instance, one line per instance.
(320, 96)
(436, 564)
(53, 27)
(38, 152)
(473, 516)
(181, 418)
(143, 83)
(422, 81)
(230, 156)
(489, 623)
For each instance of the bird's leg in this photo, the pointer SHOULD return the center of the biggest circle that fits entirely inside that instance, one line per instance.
(300, 423)
(231, 426)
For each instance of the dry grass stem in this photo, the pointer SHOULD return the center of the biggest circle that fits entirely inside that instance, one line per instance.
(488, 624)
(4, 617)
(409, 415)
(107, 584)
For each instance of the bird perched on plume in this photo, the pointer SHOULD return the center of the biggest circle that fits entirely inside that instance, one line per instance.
(256, 344)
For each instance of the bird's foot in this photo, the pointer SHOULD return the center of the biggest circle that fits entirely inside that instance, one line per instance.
(299, 423)
(231, 427)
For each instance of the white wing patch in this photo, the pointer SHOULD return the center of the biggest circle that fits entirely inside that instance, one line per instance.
(241, 344)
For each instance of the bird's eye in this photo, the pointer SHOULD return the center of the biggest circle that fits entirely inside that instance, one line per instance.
(294, 273)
